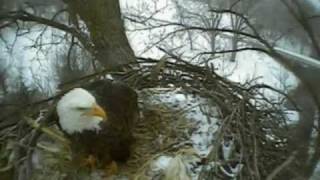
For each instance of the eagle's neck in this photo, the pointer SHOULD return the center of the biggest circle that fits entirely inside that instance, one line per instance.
(79, 125)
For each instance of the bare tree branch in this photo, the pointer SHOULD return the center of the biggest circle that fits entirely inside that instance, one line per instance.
(27, 17)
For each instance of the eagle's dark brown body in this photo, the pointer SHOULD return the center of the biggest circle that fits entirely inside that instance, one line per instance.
(113, 141)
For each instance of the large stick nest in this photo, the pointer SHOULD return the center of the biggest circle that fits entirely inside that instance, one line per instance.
(255, 125)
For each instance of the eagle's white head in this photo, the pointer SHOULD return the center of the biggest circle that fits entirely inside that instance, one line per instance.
(78, 111)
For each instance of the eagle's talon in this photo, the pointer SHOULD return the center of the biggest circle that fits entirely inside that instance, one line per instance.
(111, 169)
(90, 162)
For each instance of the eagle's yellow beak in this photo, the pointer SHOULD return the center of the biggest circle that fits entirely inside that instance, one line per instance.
(96, 110)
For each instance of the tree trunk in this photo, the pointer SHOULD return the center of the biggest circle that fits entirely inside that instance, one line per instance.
(300, 140)
(106, 30)
(307, 98)
(236, 23)
(234, 47)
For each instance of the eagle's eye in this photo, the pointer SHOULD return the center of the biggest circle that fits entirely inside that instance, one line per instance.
(83, 108)
(94, 110)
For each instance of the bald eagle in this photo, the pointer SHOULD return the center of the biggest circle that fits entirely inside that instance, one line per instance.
(98, 121)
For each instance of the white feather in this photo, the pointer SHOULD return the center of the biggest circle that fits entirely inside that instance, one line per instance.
(73, 120)
(177, 170)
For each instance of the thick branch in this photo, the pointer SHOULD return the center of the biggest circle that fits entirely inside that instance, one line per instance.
(27, 17)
